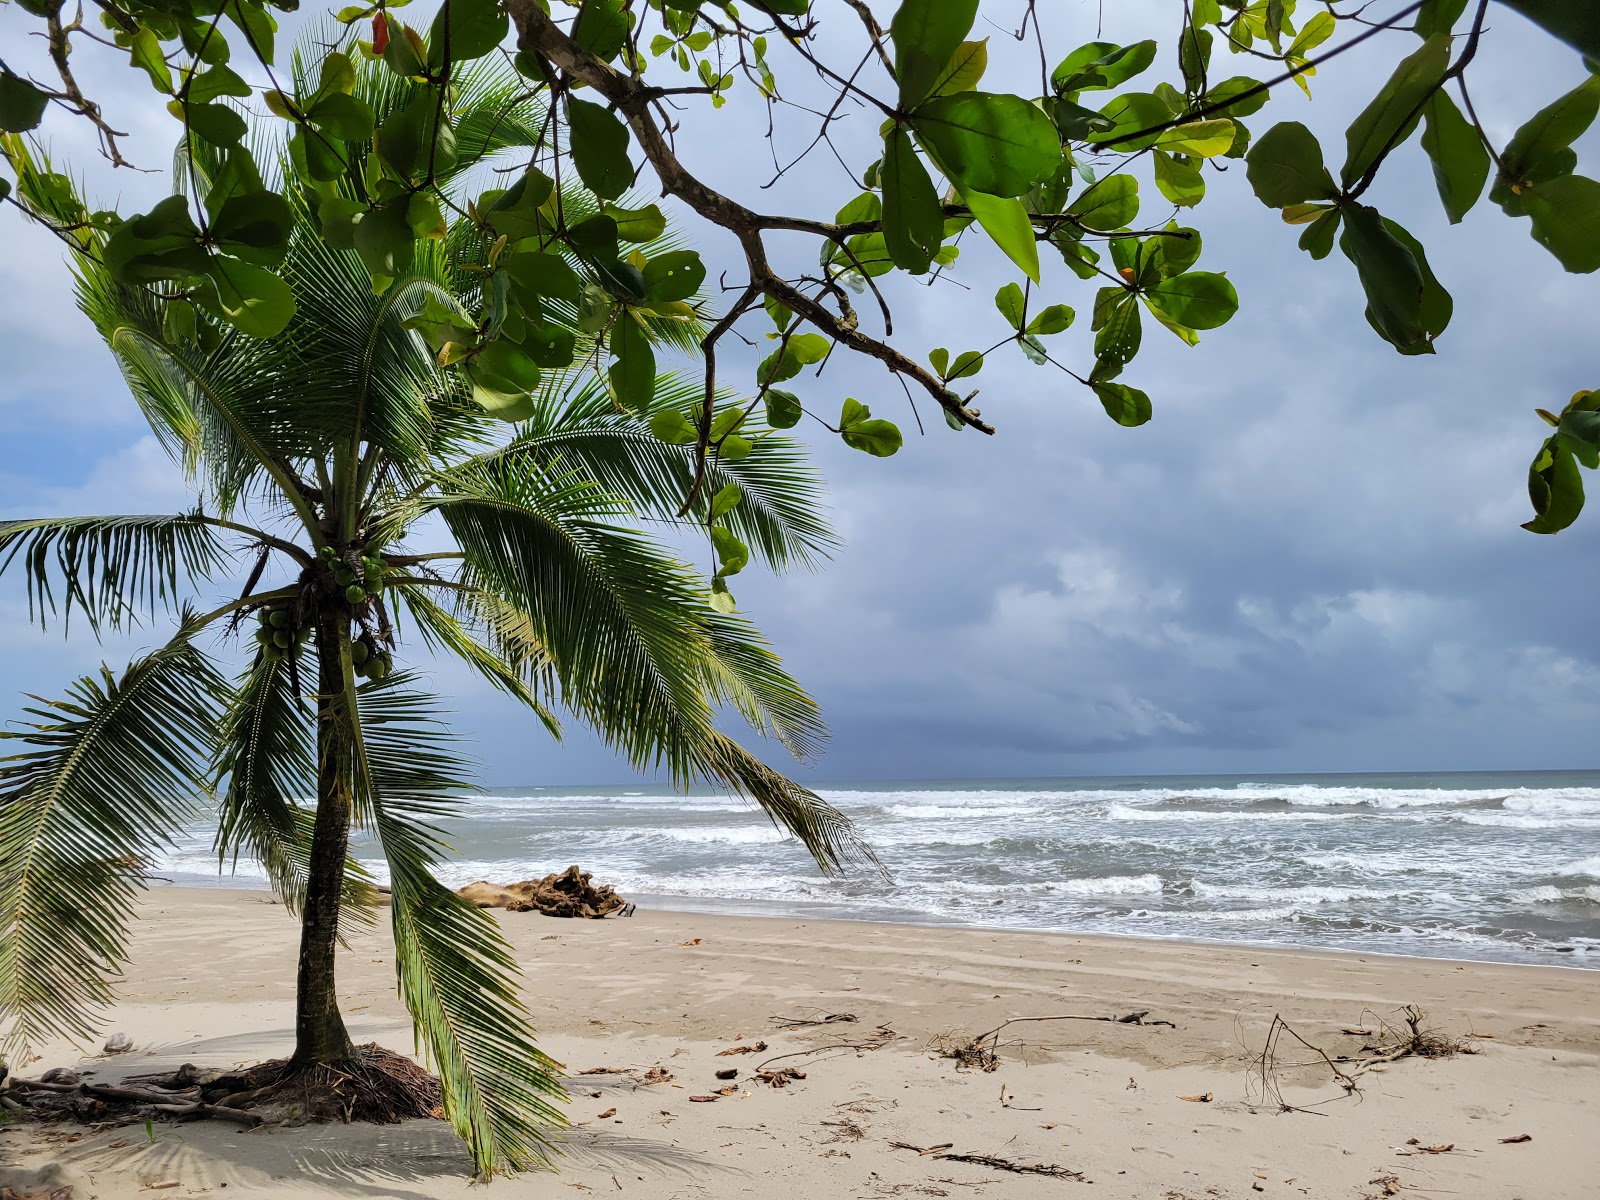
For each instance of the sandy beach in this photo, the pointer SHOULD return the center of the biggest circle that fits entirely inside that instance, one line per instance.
(1103, 1101)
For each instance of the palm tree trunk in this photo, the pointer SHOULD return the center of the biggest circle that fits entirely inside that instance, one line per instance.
(320, 1035)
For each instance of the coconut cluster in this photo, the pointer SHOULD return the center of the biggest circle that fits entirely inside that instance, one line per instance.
(280, 630)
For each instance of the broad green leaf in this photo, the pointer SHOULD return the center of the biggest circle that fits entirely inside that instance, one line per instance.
(346, 117)
(672, 427)
(1007, 224)
(913, 220)
(1318, 238)
(676, 275)
(512, 408)
(1566, 220)
(1055, 319)
(623, 280)
(1198, 139)
(503, 367)
(466, 29)
(1119, 337)
(1131, 115)
(633, 374)
(1541, 149)
(1123, 404)
(927, 34)
(219, 124)
(1009, 300)
(1393, 113)
(732, 554)
(550, 345)
(968, 363)
(1555, 486)
(1112, 203)
(1175, 251)
(162, 244)
(1390, 276)
(1438, 16)
(1315, 31)
(254, 227)
(601, 28)
(21, 104)
(384, 240)
(599, 148)
(260, 28)
(783, 409)
(1239, 85)
(1179, 180)
(1196, 299)
(543, 274)
(145, 52)
(251, 299)
(996, 144)
(1576, 22)
(726, 500)
(1101, 65)
(964, 71)
(638, 224)
(215, 83)
(861, 431)
(1460, 160)
(1437, 304)
(1285, 167)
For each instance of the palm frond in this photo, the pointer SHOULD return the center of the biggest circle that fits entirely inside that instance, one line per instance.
(265, 762)
(113, 569)
(107, 777)
(743, 671)
(780, 516)
(441, 631)
(632, 641)
(821, 828)
(457, 975)
(616, 615)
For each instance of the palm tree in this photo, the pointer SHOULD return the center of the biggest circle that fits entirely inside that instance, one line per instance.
(350, 488)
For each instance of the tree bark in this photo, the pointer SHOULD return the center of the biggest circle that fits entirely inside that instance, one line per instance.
(320, 1035)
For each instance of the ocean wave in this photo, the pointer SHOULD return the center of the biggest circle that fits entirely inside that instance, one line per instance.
(1128, 812)
(1292, 896)
(1583, 868)
(732, 835)
(1103, 885)
(941, 812)
(1550, 894)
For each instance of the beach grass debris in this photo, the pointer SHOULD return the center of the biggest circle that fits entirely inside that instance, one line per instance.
(780, 1078)
(1408, 1037)
(1201, 1098)
(945, 1153)
(1517, 1140)
(754, 1048)
(794, 1023)
(982, 1053)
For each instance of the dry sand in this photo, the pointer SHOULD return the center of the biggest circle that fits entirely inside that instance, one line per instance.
(211, 978)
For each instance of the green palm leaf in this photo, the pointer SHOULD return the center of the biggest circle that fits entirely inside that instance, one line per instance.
(113, 569)
(265, 761)
(107, 776)
(457, 975)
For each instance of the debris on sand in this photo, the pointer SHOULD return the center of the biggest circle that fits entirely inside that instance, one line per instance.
(569, 894)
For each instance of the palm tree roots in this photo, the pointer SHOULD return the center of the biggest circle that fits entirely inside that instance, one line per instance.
(377, 1086)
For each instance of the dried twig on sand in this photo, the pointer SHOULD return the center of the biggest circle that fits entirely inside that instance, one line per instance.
(792, 1023)
(983, 1052)
(943, 1154)
(1407, 1039)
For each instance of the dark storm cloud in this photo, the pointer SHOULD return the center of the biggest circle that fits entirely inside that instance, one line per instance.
(1309, 560)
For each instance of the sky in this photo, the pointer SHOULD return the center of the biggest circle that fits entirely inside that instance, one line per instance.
(1310, 560)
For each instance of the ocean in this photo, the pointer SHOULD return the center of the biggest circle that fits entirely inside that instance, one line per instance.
(1502, 867)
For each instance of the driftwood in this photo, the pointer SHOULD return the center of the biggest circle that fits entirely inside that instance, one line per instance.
(66, 1100)
(943, 1154)
(568, 894)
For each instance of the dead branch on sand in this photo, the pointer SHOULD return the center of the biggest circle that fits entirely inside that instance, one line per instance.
(1407, 1039)
(943, 1154)
(983, 1052)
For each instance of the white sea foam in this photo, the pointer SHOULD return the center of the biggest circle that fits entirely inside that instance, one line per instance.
(1128, 812)
(943, 812)
(1101, 885)
(732, 835)
(1583, 868)
(1294, 896)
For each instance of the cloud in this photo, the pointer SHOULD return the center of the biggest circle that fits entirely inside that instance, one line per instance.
(1309, 560)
